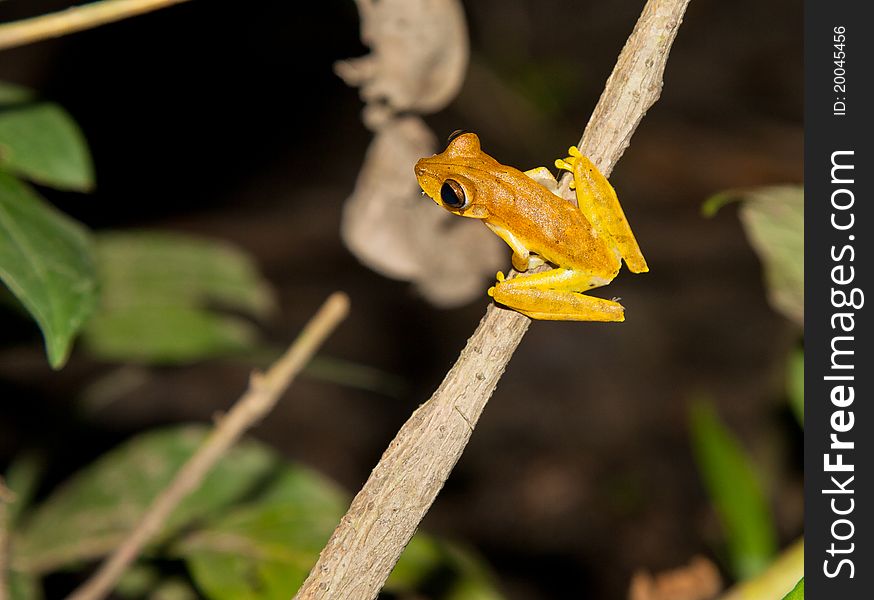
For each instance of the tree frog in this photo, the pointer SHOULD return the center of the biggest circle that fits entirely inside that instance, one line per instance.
(584, 245)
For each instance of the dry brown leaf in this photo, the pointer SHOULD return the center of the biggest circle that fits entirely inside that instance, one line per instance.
(394, 230)
(418, 59)
(699, 580)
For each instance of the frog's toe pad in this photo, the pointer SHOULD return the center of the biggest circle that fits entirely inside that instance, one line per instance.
(561, 163)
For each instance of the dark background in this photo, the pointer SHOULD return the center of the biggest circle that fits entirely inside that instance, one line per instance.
(225, 119)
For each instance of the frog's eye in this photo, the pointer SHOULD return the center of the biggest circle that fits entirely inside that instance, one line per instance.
(452, 194)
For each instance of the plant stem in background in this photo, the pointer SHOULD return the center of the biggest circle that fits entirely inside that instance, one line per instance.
(258, 400)
(386, 512)
(77, 18)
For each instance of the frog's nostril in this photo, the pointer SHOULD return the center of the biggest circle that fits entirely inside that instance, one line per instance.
(419, 170)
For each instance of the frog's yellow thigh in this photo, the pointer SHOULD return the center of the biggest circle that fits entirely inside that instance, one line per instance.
(598, 202)
(553, 296)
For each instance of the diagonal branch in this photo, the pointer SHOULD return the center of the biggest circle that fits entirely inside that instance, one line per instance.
(263, 393)
(386, 512)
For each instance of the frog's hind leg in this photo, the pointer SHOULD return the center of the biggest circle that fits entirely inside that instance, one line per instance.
(598, 202)
(553, 296)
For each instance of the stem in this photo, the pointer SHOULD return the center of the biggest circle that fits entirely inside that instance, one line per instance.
(258, 400)
(386, 512)
(77, 18)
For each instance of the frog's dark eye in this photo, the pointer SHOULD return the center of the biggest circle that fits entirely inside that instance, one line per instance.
(452, 194)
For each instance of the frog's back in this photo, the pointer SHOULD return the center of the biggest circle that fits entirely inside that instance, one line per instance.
(553, 228)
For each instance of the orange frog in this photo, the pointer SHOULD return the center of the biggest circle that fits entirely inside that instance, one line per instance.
(584, 246)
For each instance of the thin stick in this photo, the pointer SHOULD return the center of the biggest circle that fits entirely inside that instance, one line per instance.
(386, 512)
(258, 400)
(77, 18)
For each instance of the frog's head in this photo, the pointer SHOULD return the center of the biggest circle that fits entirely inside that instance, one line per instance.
(453, 177)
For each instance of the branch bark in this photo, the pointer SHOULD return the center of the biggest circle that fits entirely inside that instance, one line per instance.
(385, 513)
(77, 18)
(258, 400)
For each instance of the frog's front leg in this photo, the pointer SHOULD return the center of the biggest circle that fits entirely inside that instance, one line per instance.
(522, 257)
(553, 295)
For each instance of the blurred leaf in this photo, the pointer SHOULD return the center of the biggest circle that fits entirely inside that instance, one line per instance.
(22, 477)
(422, 556)
(474, 581)
(260, 552)
(260, 549)
(24, 587)
(170, 334)
(91, 513)
(265, 550)
(46, 261)
(11, 93)
(735, 491)
(173, 589)
(797, 592)
(41, 142)
(160, 298)
(795, 384)
(137, 580)
(356, 375)
(773, 218)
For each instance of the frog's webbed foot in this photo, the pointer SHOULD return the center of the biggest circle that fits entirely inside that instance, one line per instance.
(598, 202)
(552, 296)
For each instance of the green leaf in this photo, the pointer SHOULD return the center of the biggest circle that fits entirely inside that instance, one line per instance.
(41, 142)
(162, 294)
(473, 580)
(46, 260)
(22, 478)
(24, 587)
(138, 579)
(735, 491)
(11, 93)
(773, 218)
(795, 384)
(173, 589)
(169, 334)
(90, 514)
(797, 592)
(265, 550)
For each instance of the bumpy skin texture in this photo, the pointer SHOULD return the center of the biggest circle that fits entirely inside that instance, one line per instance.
(585, 245)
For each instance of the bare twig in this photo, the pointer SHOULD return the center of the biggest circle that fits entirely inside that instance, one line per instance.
(258, 400)
(77, 18)
(386, 512)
